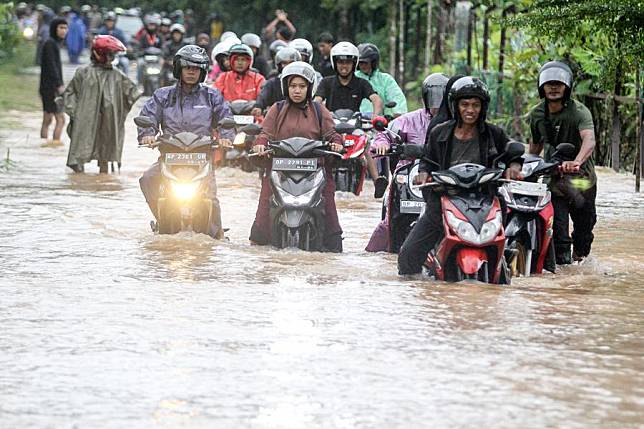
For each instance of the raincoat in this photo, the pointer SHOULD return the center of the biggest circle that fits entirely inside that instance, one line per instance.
(97, 101)
(75, 38)
(387, 88)
(236, 86)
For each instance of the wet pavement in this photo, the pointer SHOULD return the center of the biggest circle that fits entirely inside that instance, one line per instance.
(104, 323)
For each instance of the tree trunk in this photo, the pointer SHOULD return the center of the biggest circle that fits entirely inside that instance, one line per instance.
(616, 135)
(486, 37)
(639, 161)
(401, 42)
(471, 22)
(428, 36)
(392, 38)
(440, 34)
(417, 31)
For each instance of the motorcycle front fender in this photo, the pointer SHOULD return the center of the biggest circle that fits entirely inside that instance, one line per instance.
(294, 218)
(470, 260)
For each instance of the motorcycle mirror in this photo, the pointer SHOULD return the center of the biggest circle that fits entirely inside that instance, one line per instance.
(227, 123)
(251, 129)
(379, 123)
(514, 150)
(144, 122)
(344, 128)
(565, 151)
(413, 151)
(391, 104)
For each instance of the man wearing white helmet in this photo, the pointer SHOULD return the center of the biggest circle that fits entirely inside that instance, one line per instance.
(305, 48)
(259, 62)
(298, 116)
(220, 58)
(346, 91)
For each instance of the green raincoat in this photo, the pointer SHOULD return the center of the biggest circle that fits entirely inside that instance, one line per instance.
(97, 101)
(387, 88)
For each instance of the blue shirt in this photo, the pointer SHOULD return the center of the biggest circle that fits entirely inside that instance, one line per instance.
(195, 112)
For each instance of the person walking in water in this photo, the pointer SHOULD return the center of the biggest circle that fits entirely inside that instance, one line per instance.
(51, 81)
(97, 101)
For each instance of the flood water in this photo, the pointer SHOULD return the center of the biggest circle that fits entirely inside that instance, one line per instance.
(103, 323)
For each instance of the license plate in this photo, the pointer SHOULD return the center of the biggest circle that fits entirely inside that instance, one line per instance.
(244, 119)
(186, 158)
(527, 188)
(295, 164)
(414, 207)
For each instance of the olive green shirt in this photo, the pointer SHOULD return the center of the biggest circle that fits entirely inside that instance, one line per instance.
(565, 128)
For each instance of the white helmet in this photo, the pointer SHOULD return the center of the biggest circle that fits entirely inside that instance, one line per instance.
(223, 48)
(345, 51)
(304, 47)
(178, 27)
(252, 40)
(303, 70)
(228, 34)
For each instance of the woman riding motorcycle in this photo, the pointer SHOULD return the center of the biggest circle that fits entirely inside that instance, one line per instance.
(298, 116)
(186, 106)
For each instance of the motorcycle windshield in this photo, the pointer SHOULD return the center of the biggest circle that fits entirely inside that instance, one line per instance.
(297, 146)
(185, 141)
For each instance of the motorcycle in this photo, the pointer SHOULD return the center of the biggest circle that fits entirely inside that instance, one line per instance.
(530, 214)
(238, 156)
(473, 245)
(186, 170)
(350, 171)
(151, 70)
(297, 180)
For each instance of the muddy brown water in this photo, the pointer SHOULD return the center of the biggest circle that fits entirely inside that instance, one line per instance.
(103, 323)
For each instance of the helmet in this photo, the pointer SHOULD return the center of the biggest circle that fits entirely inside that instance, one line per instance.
(240, 49)
(558, 72)
(110, 16)
(190, 55)
(65, 9)
(301, 69)
(84, 8)
(166, 21)
(153, 19)
(286, 54)
(304, 47)
(222, 48)
(433, 90)
(468, 87)
(252, 40)
(178, 27)
(369, 53)
(105, 48)
(276, 46)
(345, 51)
(227, 34)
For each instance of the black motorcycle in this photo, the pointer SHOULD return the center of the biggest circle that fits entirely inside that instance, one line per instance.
(151, 70)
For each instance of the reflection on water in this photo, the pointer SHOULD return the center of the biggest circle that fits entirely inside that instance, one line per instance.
(104, 321)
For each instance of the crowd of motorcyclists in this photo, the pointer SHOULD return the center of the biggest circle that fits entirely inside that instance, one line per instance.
(296, 91)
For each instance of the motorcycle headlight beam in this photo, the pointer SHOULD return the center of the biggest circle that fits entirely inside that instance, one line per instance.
(184, 191)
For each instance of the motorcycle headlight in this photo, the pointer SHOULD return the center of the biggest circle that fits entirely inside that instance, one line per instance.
(466, 231)
(28, 33)
(298, 200)
(184, 191)
(153, 70)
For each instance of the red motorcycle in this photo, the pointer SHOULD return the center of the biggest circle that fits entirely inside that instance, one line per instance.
(474, 239)
(530, 212)
(350, 171)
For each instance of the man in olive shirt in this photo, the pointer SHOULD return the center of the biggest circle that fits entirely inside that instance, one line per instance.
(560, 119)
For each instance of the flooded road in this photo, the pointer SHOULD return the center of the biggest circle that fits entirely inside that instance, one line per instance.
(102, 323)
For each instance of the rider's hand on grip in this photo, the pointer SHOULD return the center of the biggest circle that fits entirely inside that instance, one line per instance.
(225, 143)
(147, 140)
(570, 166)
(421, 178)
(513, 172)
(259, 149)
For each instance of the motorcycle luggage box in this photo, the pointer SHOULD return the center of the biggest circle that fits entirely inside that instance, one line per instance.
(295, 164)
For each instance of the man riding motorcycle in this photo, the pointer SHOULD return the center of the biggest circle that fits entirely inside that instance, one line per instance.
(240, 83)
(271, 92)
(186, 106)
(170, 49)
(560, 119)
(412, 127)
(260, 64)
(383, 83)
(298, 116)
(146, 38)
(468, 138)
(220, 58)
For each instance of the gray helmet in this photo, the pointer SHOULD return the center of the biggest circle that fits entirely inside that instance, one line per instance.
(304, 47)
(275, 46)
(558, 72)
(178, 27)
(227, 35)
(166, 22)
(433, 90)
(303, 70)
(110, 16)
(468, 87)
(286, 54)
(191, 55)
(369, 53)
(252, 40)
(241, 49)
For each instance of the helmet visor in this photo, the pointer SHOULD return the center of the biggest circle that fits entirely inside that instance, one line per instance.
(434, 96)
(555, 74)
(186, 63)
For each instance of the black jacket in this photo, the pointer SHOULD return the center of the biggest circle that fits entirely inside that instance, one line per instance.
(492, 142)
(270, 94)
(51, 70)
(261, 65)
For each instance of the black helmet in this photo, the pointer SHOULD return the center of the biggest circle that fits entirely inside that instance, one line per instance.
(191, 55)
(468, 87)
(369, 53)
(433, 90)
(558, 72)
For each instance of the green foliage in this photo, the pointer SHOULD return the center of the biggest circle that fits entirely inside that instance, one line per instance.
(9, 33)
